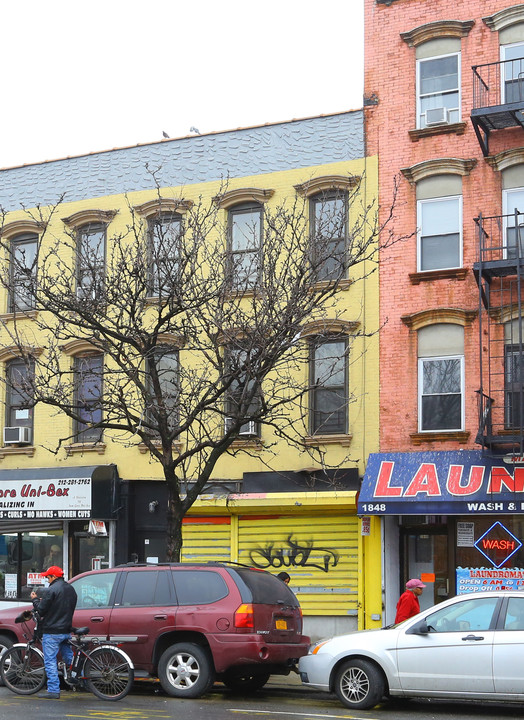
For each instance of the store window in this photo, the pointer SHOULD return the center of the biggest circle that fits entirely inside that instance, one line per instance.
(23, 556)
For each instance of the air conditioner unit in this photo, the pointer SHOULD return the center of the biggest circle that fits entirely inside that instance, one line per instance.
(85, 292)
(437, 116)
(17, 436)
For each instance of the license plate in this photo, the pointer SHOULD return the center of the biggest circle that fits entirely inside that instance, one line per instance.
(281, 624)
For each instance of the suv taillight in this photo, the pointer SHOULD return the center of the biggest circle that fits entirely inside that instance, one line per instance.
(244, 617)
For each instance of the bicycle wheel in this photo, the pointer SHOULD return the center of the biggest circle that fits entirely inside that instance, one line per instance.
(22, 669)
(108, 673)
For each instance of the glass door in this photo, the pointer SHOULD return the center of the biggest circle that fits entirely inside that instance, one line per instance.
(425, 556)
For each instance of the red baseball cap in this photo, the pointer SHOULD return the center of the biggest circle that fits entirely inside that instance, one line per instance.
(53, 570)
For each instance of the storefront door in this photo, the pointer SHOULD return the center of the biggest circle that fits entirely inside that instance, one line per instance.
(425, 556)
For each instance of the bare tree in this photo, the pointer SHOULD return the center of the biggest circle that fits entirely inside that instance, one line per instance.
(193, 341)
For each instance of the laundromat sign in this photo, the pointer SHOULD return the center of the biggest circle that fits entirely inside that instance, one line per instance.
(443, 483)
(62, 498)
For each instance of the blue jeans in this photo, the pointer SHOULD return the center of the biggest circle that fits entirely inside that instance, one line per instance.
(51, 645)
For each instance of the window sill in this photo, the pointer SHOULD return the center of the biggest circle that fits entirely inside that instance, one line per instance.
(28, 450)
(343, 284)
(430, 275)
(459, 436)
(88, 447)
(253, 443)
(342, 439)
(451, 129)
(142, 447)
(30, 314)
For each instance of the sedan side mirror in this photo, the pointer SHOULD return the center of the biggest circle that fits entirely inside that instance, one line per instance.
(419, 628)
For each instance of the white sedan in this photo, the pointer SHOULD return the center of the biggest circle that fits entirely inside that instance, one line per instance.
(469, 647)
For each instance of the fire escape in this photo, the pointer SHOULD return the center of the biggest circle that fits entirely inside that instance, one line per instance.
(498, 104)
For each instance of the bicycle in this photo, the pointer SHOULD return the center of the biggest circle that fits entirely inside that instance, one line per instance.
(106, 670)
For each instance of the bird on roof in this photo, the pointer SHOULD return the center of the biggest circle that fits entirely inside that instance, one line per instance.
(165, 134)
(194, 130)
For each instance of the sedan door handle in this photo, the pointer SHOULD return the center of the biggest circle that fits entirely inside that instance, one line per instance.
(160, 617)
(97, 619)
(473, 637)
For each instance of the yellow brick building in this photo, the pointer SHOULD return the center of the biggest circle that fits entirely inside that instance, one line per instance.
(274, 510)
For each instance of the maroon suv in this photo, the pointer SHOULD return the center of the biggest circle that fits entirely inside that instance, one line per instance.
(190, 624)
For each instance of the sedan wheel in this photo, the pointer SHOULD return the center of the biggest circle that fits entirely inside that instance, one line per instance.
(359, 684)
(186, 670)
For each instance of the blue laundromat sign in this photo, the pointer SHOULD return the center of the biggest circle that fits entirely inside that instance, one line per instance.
(442, 483)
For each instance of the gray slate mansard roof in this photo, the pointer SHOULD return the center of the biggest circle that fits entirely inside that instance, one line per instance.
(195, 159)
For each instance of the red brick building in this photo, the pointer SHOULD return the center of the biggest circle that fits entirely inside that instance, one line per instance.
(444, 107)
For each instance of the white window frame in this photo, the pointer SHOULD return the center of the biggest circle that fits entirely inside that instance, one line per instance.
(420, 230)
(420, 124)
(421, 362)
(508, 208)
(503, 58)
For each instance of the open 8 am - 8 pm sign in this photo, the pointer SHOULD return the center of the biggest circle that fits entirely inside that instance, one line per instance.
(62, 497)
(443, 483)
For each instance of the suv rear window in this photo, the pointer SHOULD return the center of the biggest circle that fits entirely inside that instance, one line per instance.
(199, 587)
(266, 588)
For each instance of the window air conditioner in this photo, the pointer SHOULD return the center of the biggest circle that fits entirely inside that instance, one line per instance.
(17, 436)
(437, 116)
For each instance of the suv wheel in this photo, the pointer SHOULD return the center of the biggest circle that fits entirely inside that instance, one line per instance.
(186, 670)
(244, 682)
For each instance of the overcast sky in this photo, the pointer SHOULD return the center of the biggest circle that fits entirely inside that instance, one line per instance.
(84, 76)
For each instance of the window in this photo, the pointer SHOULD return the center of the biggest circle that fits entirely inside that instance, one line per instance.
(441, 377)
(440, 236)
(94, 591)
(475, 614)
(245, 238)
(19, 405)
(146, 588)
(329, 386)
(199, 587)
(243, 398)
(164, 252)
(91, 249)
(329, 228)
(88, 397)
(512, 57)
(163, 388)
(513, 376)
(23, 272)
(513, 204)
(438, 90)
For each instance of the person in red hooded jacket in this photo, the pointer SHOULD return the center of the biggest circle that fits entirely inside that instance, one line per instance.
(408, 604)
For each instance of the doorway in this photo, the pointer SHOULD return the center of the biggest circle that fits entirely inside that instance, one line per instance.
(425, 555)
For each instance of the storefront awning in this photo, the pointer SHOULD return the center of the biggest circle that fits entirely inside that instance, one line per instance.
(442, 483)
(29, 495)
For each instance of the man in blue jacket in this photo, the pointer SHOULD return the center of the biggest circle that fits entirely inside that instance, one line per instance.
(55, 608)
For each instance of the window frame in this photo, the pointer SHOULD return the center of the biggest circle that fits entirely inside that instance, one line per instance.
(84, 290)
(10, 407)
(421, 125)
(244, 208)
(504, 64)
(160, 219)
(508, 215)
(26, 238)
(315, 201)
(81, 430)
(174, 409)
(321, 428)
(251, 428)
(421, 395)
(421, 236)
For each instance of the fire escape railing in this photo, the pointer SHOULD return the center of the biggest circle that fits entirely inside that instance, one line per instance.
(499, 271)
